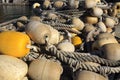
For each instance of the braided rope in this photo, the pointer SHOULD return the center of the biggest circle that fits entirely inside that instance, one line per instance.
(99, 60)
(63, 25)
(56, 20)
(84, 57)
(60, 26)
(47, 11)
(66, 11)
(54, 24)
(70, 13)
(76, 64)
(48, 18)
(64, 15)
(31, 56)
(68, 29)
(60, 20)
(76, 12)
(75, 55)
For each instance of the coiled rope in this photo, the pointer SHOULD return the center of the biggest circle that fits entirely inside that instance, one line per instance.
(76, 64)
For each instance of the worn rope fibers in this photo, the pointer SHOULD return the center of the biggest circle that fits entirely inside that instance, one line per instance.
(76, 64)
(84, 57)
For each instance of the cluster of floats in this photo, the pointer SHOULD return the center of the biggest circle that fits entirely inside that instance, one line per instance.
(62, 40)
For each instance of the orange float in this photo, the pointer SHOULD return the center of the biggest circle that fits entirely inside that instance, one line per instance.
(76, 40)
(14, 43)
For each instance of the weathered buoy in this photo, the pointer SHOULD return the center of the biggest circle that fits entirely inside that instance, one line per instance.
(78, 24)
(38, 32)
(90, 3)
(73, 4)
(12, 68)
(96, 11)
(91, 20)
(89, 75)
(88, 28)
(99, 43)
(66, 46)
(23, 18)
(105, 35)
(109, 30)
(54, 36)
(58, 4)
(52, 16)
(110, 22)
(111, 51)
(102, 39)
(44, 69)
(14, 43)
(46, 4)
(101, 26)
(20, 25)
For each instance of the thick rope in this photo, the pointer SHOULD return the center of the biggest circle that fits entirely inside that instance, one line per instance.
(76, 64)
(84, 57)
(68, 29)
(59, 26)
(64, 15)
(99, 60)
(63, 25)
(68, 11)
(59, 20)
(31, 56)
(72, 13)
(54, 24)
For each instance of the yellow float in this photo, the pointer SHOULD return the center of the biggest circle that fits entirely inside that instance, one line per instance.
(14, 43)
(76, 40)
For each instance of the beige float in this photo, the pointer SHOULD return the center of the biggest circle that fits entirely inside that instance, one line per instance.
(44, 69)
(12, 68)
(38, 32)
(111, 51)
